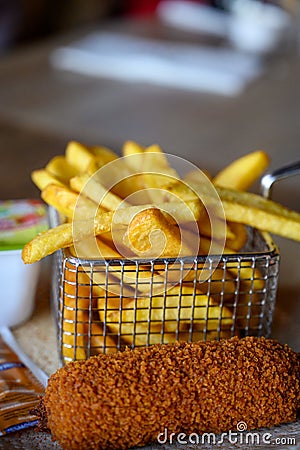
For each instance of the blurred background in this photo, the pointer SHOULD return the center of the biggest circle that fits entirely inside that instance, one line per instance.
(202, 78)
(187, 74)
(22, 21)
(208, 80)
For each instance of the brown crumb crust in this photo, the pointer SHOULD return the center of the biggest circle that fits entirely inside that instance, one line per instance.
(118, 401)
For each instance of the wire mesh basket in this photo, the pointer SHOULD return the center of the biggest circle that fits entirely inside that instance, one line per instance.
(104, 306)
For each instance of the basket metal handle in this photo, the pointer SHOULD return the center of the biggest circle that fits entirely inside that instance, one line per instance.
(269, 179)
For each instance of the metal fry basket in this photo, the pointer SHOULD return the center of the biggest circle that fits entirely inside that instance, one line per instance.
(104, 306)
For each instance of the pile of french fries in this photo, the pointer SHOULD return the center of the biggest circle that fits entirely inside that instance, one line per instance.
(150, 212)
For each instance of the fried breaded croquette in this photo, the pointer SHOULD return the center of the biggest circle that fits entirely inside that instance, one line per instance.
(118, 401)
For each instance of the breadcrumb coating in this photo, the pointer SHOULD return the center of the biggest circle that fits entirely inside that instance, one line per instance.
(118, 401)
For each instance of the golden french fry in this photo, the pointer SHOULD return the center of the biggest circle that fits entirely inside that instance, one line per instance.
(101, 342)
(204, 228)
(177, 213)
(74, 342)
(261, 213)
(219, 230)
(42, 178)
(79, 156)
(183, 191)
(156, 336)
(77, 326)
(62, 203)
(104, 276)
(132, 152)
(103, 155)
(157, 173)
(47, 243)
(139, 280)
(64, 235)
(117, 177)
(142, 315)
(150, 170)
(221, 283)
(243, 270)
(251, 276)
(74, 311)
(242, 172)
(150, 235)
(247, 208)
(89, 186)
(60, 168)
(239, 238)
(155, 161)
(94, 248)
(133, 148)
(65, 201)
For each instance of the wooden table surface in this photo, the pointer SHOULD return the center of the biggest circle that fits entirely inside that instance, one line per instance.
(41, 109)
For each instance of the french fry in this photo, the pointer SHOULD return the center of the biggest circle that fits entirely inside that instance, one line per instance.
(220, 284)
(136, 316)
(240, 175)
(183, 191)
(217, 227)
(79, 156)
(101, 342)
(95, 191)
(242, 172)
(64, 235)
(76, 303)
(47, 243)
(157, 173)
(131, 188)
(261, 213)
(239, 238)
(105, 276)
(219, 231)
(133, 281)
(65, 201)
(133, 148)
(42, 178)
(251, 276)
(158, 336)
(77, 326)
(60, 168)
(103, 155)
(132, 152)
(150, 170)
(248, 209)
(74, 334)
(60, 237)
(94, 248)
(150, 235)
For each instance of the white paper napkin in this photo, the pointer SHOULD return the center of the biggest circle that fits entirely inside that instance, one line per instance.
(186, 66)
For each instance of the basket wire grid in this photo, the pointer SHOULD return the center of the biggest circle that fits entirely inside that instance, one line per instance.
(104, 306)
